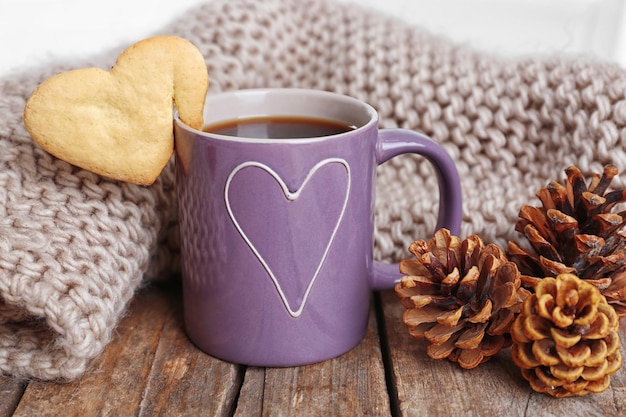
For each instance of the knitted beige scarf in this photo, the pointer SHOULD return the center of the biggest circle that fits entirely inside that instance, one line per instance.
(74, 247)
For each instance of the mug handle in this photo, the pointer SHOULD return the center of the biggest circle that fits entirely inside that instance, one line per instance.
(394, 142)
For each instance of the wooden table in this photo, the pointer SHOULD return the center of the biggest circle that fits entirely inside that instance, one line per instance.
(151, 369)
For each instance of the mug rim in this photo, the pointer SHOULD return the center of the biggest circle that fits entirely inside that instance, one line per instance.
(319, 94)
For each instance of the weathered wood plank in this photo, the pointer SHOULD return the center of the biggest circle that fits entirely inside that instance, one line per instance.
(11, 391)
(150, 368)
(351, 385)
(187, 382)
(116, 383)
(439, 387)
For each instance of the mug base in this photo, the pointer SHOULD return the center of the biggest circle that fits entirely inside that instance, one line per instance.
(286, 359)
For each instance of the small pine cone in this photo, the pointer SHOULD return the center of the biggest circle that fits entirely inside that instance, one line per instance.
(462, 296)
(575, 231)
(566, 338)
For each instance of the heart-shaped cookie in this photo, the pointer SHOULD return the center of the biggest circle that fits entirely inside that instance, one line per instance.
(119, 123)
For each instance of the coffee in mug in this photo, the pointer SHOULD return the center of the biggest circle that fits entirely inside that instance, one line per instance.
(279, 127)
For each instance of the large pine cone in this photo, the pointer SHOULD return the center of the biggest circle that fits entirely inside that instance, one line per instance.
(462, 296)
(566, 339)
(575, 231)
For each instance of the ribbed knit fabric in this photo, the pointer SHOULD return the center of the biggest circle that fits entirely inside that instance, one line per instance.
(74, 247)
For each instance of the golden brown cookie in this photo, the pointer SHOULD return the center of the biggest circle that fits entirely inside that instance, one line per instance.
(119, 123)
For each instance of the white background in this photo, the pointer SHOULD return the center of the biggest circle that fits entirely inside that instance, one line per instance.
(33, 32)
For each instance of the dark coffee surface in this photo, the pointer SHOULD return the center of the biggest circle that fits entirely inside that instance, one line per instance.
(279, 128)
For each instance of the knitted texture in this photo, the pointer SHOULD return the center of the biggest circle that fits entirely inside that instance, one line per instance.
(74, 247)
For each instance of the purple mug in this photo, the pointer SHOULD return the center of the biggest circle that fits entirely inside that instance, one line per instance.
(277, 234)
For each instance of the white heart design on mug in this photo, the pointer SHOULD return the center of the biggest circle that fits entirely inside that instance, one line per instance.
(290, 196)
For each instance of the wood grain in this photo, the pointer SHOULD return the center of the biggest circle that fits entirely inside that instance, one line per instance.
(11, 391)
(152, 369)
(185, 381)
(350, 385)
(115, 385)
(441, 388)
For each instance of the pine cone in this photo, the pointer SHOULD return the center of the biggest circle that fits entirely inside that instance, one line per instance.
(566, 339)
(462, 296)
(576, 232)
